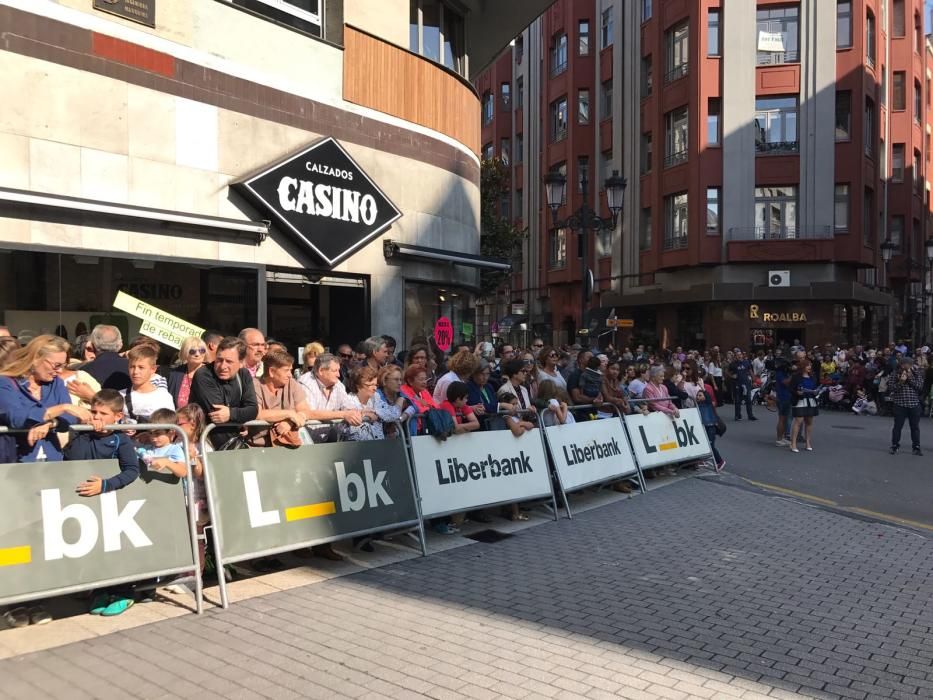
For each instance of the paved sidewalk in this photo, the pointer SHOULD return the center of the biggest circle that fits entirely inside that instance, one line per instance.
(696, 590)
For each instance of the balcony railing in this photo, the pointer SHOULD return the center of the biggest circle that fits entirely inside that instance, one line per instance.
(780, 233)
(777, 146)
(675, 243)
(676, 73)
(773, 58)
(675, 159)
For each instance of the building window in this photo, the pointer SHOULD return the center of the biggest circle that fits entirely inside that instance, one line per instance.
(583, 166)
(606, 27)
(519, 92)
(900, 20)
(869, 121)
(918, 174)
(644, 229)
(884, 84)
(519, 148)
(898, 89)
(646, 154)
(712, 211)
(918, 33)
(868, 215)
(843, 24)
(436, 32)
(488, 108)
(843, 115)
(604, 242)
(559, 119)
(583, 37)
(870, 39)
(675, 221)
(776, 212)
(519, 204)
(918, 101)
(646, 76)
(505, 93)
(606, 100)
(882, 159)
(712, 32)
(557, 248)
(841, 209)
(897, 162)
(677, 39)
(778, 35)
(583, 106)
(712, 122)
(646, 10)
(488, 151)
(677, 134)
(776, 124)
(505, 151)
(519, 49)
(304, 15)
(559, 54)
(896, 231)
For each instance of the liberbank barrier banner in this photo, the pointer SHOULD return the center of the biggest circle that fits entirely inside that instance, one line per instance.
(589, 452)
(277, 499)
(55, 541)
(474, 470)
(657, 440)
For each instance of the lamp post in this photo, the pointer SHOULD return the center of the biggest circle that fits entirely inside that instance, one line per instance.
(887, 252)
(927, 298)
(584, 219)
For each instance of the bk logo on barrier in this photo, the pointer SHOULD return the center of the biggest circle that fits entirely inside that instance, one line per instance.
(684, 436)
(355, 493)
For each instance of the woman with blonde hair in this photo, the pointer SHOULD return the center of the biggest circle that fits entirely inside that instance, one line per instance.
(33, 396)
(311, 351)
(190, 359)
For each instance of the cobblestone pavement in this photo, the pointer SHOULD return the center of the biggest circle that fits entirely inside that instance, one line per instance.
(696, 590)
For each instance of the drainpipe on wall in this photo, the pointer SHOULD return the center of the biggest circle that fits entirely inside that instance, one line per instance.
(892, 310)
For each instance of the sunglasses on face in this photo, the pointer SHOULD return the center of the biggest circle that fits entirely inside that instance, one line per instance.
(197, 351)
(346, 356)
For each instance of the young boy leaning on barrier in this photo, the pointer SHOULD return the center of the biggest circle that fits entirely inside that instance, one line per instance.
(106, 409)
(160, 452)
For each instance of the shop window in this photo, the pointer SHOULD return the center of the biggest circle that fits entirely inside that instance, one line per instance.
(675, 221)
(426, 303)
(778, 34)
(843, 24)
(841, 209)
(776, 124)
(304, 15)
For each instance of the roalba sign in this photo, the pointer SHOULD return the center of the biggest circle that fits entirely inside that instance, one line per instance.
(324, 198)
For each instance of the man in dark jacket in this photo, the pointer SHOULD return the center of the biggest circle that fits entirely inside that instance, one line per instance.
(224, 390)
(108, 368)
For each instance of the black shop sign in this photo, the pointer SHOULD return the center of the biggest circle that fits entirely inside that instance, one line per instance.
(324, 199)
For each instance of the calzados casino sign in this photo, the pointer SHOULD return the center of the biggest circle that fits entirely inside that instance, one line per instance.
(324, 198)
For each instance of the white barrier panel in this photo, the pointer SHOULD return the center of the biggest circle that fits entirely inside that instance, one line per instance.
(589, 452)
(657, 440)
(474, 470)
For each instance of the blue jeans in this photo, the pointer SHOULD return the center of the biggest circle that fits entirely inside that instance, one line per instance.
(711, 434)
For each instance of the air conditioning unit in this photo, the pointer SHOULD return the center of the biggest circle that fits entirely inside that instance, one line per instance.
(779, 278)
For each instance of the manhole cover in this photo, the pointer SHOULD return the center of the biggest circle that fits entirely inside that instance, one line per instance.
(489, 536)
(847, 427)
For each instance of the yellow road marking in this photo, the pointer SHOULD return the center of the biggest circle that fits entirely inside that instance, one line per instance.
(16, 555)
(834, 504)
(313, 510)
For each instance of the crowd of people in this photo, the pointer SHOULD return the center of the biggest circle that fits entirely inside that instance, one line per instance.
(370, 391)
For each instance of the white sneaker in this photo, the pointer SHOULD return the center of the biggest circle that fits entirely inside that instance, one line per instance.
(782, 443)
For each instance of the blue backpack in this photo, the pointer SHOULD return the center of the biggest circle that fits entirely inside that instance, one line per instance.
(439, 423)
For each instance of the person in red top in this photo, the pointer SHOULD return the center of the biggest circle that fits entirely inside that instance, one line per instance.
(465, 421)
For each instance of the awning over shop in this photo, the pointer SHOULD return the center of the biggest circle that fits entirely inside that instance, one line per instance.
(394, 249)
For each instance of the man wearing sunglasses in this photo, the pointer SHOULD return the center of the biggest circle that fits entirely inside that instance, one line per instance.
(345, 355)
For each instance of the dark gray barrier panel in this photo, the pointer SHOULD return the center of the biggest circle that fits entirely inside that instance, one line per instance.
(54, 542)
(264, 501)
(590, 452)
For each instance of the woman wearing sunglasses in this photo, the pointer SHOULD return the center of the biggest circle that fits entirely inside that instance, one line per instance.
(190, 359)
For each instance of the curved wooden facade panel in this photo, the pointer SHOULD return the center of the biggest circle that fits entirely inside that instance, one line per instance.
(382, 76)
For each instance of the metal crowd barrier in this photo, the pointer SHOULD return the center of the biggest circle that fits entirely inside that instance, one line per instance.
(562, 464)
(252, 520)
(429, 484)
(55, 566)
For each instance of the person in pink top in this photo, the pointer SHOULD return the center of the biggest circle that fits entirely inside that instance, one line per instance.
(655, 389)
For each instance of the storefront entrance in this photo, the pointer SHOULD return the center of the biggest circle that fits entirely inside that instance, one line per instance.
(767, 338)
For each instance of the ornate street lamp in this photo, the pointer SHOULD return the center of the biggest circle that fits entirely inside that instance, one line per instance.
(585, 219)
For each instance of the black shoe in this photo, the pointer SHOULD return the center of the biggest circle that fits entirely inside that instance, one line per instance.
(752, 418)
(893, 449)
(918, 452)
(738, 418)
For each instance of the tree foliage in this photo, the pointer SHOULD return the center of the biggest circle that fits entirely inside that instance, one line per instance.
(499, 237)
